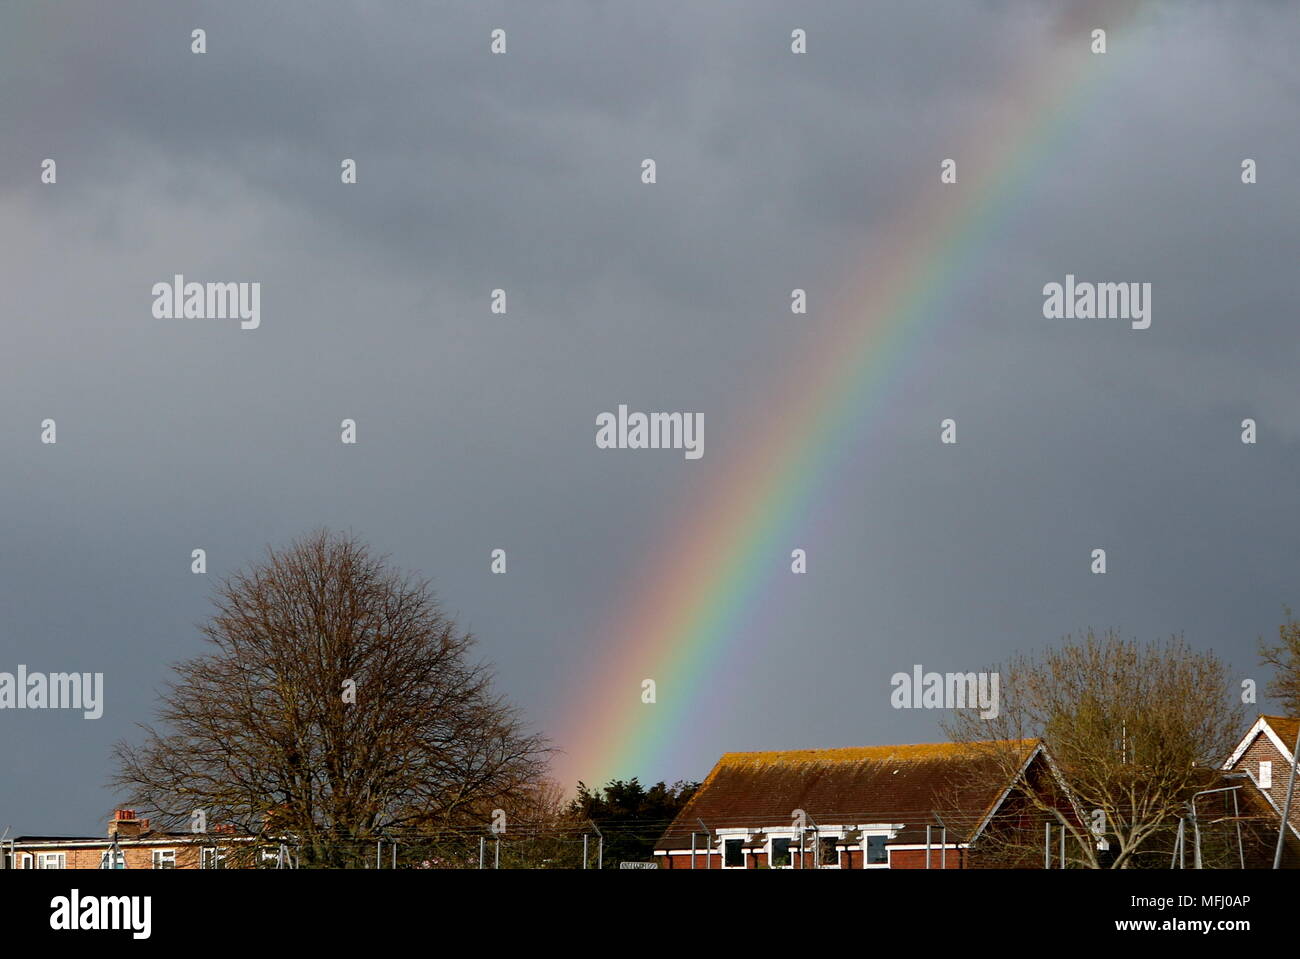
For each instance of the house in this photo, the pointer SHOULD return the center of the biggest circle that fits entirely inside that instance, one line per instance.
(1261, 764)
(921, 806)
(130, 844)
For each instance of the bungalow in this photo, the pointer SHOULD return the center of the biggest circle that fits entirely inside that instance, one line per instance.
(918, 806)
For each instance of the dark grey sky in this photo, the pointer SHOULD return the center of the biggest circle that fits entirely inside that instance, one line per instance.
(477, 431)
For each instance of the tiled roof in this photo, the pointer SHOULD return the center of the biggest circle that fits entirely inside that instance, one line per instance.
(1285, 727)
(856, 785)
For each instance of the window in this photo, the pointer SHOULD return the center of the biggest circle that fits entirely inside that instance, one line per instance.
(164, 859)
(106, 860)
(51, 860)
(210, 857)
(733, 853)
(829, 855)
(780, 853)
(876, 855)
(1266, 774)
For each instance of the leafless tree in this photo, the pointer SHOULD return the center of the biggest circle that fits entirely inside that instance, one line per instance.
(1284, 657)
(1134, 729)
(337, 702)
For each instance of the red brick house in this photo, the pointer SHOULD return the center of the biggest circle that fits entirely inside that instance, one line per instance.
(877, 807)
(130, 844)
(1264, 758)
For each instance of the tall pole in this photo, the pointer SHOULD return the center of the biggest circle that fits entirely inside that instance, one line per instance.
(1196, 838)
(1286, 809)
(482, 843)
(600, 845)
(1236, 814)
(1047, 846)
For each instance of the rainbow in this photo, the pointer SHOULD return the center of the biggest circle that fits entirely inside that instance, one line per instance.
(687, 611)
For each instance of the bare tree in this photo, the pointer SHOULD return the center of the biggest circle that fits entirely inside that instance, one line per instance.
(1133, 730)
(1284, 657)
(337, 702)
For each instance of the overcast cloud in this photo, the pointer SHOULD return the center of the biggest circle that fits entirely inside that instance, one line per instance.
(476, 431)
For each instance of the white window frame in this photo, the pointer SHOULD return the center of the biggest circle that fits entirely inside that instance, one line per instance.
(792, 851)
(725, 835)
(834, 833)
(25, 858)
(157, 856)
(1266, 774)
(211, 857)
(867, 836)
(42, 858)
(105, 856)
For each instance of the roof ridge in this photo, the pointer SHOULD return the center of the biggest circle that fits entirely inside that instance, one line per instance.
(883, 749)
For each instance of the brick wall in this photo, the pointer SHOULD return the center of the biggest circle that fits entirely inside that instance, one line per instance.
(88, 857)
(1263, 749)
(915, 858)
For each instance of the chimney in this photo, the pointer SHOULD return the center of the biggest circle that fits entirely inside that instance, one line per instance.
(124, 824)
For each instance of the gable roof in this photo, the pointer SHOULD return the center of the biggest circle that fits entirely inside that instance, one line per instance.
(1280, 730)
(900, 784)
